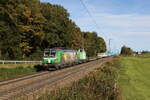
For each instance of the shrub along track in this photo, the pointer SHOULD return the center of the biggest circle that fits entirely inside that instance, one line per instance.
(20, 87)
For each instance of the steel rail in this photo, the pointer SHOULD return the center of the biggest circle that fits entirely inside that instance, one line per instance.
(37, 84)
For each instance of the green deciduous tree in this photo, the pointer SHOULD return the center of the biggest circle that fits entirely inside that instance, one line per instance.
(126, 51)
(27, 27)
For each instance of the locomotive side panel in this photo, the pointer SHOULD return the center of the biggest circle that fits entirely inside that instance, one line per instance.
(81, 55)
(60, 58)
(69, 57)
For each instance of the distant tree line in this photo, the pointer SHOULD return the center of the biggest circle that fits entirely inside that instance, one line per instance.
(145, 52)
(27, 27)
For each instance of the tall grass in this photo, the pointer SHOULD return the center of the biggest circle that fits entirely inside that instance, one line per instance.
(7, 73)
(17, 65)
(98, 85)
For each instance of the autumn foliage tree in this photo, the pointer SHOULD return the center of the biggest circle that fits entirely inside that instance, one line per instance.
(27, 27)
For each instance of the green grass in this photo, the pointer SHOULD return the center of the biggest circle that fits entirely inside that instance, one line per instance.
(7, 73)
(98, 85)
(134, 77)
(145, 55)
(17, 65)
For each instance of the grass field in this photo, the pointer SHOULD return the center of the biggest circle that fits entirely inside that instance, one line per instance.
(134, 77)
(7, 73)
(17, 65)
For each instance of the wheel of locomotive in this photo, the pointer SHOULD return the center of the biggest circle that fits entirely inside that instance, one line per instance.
(76, 62)
(57, 66)
(73, 63)
(80, 62)
(84, 61)
(49, 69)
(64, 65)
(70, 64)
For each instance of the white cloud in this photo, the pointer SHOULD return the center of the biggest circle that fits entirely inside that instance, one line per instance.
(124, 22)
(115, 22)
(126, 29)
(128, 20)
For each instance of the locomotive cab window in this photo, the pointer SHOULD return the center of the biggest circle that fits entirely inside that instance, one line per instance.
(52, 54)
(46, 53)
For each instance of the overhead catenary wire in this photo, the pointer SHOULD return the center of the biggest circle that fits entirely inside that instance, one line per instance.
(89, 13)
(94, 21)
(82, 2)
(96, 24)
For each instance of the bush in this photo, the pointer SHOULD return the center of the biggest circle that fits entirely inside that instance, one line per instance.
(98, 85)
(7, 73)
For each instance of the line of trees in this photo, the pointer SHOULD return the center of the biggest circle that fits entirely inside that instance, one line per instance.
(27, 27)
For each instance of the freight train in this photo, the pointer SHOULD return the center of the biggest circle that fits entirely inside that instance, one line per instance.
(58, 58)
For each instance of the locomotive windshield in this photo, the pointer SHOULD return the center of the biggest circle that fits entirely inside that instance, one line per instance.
(46, 53)
(49, 53)
(52, 54)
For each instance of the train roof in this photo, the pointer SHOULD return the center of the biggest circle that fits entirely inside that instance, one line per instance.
(60, 48)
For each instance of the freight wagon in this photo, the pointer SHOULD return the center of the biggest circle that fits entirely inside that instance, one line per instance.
(58, 58)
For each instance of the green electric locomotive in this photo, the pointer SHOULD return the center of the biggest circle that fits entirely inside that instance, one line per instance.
(58, 58)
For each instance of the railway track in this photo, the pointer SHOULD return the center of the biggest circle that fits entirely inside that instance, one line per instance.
(12, 89)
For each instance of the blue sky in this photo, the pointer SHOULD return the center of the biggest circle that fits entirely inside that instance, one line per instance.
(126, 22)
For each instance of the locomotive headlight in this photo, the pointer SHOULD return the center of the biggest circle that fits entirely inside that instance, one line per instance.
(46, 60)
(49, 61)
